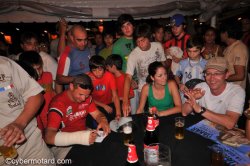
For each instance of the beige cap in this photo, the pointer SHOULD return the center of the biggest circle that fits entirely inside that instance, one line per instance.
(218, 63)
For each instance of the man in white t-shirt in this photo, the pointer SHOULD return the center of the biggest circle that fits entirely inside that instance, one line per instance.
(216, 99)
(20, 100)
(139, 59)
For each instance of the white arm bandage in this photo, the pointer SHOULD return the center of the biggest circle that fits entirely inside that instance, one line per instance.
(71, 138)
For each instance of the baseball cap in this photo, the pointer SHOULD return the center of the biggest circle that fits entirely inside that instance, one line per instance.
(177, 20)
(218, 63)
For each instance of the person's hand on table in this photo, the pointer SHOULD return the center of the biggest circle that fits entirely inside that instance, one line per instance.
(92, 137)
(108, 109)
(12, 133)
(117, 116)
(126, 109)
(104, 126)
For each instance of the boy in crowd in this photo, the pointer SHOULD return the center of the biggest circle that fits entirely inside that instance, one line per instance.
(67, 117)
(105, 89)
(193, 66)
(114, 66)
(108, 40)
(145, 53)
(123, 47)
(45, 79)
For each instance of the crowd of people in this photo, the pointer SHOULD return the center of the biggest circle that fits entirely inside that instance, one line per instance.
(46, 102)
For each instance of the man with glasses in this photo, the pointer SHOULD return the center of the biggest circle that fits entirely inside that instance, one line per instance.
(216, 99)
(75, 57)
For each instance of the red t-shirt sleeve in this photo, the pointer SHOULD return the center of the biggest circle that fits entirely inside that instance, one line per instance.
(55, 114)
(62, 61)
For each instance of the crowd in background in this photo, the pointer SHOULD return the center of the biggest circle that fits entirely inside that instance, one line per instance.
(121, 73)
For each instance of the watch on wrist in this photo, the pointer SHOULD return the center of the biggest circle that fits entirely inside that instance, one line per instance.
(202, 110)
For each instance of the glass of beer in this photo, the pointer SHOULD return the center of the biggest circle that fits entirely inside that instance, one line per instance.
(217, 158)
(127, 131)
(179, 128)
(7, 152)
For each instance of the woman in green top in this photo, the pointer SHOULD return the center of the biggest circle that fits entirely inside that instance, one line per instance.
(160, 92)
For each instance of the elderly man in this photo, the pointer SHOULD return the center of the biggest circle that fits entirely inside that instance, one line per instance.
(216, 99)
(75, 57)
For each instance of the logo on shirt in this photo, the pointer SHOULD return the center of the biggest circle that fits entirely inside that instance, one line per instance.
(2, 77)
(13, 101)
(100, 87)
(69, 110)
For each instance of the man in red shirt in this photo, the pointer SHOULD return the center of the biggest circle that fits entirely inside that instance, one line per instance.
(67, 117)
(178, 25)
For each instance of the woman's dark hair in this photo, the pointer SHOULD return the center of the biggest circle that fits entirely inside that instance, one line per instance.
(96, 61)
(152, 68)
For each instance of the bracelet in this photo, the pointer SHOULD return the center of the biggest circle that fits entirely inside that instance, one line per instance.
(202, 110)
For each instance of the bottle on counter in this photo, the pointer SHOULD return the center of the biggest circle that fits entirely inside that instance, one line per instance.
(151, 147)
(132, 159)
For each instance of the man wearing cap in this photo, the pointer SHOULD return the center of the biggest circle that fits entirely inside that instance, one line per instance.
(178, 25)
(216, 99)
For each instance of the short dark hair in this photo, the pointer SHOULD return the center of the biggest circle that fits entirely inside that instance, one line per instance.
(114, 59)
(83, 81)
(143, 30)
(233, 29)
(96, 61)
(29, 69)
(31, 57)
(157, 27)
(195, 41)
(123, 18)
(27, 36)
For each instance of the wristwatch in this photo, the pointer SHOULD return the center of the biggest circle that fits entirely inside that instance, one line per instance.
(202, 110)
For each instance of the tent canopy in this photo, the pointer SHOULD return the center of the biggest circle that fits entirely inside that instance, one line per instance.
(15, 11)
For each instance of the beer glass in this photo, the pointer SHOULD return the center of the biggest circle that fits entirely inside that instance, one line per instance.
(217, 158)
(127, 131)
(159, 155)
(7, 152)
(179, 128)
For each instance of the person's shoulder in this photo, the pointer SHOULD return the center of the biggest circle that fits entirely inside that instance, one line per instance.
(146, 87)
(108, 74)
(184, 62)
(171, 83)
(119, 41)
(235, 87)
(5, 61)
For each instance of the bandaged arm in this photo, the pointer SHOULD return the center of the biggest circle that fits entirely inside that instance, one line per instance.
(71, 138)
